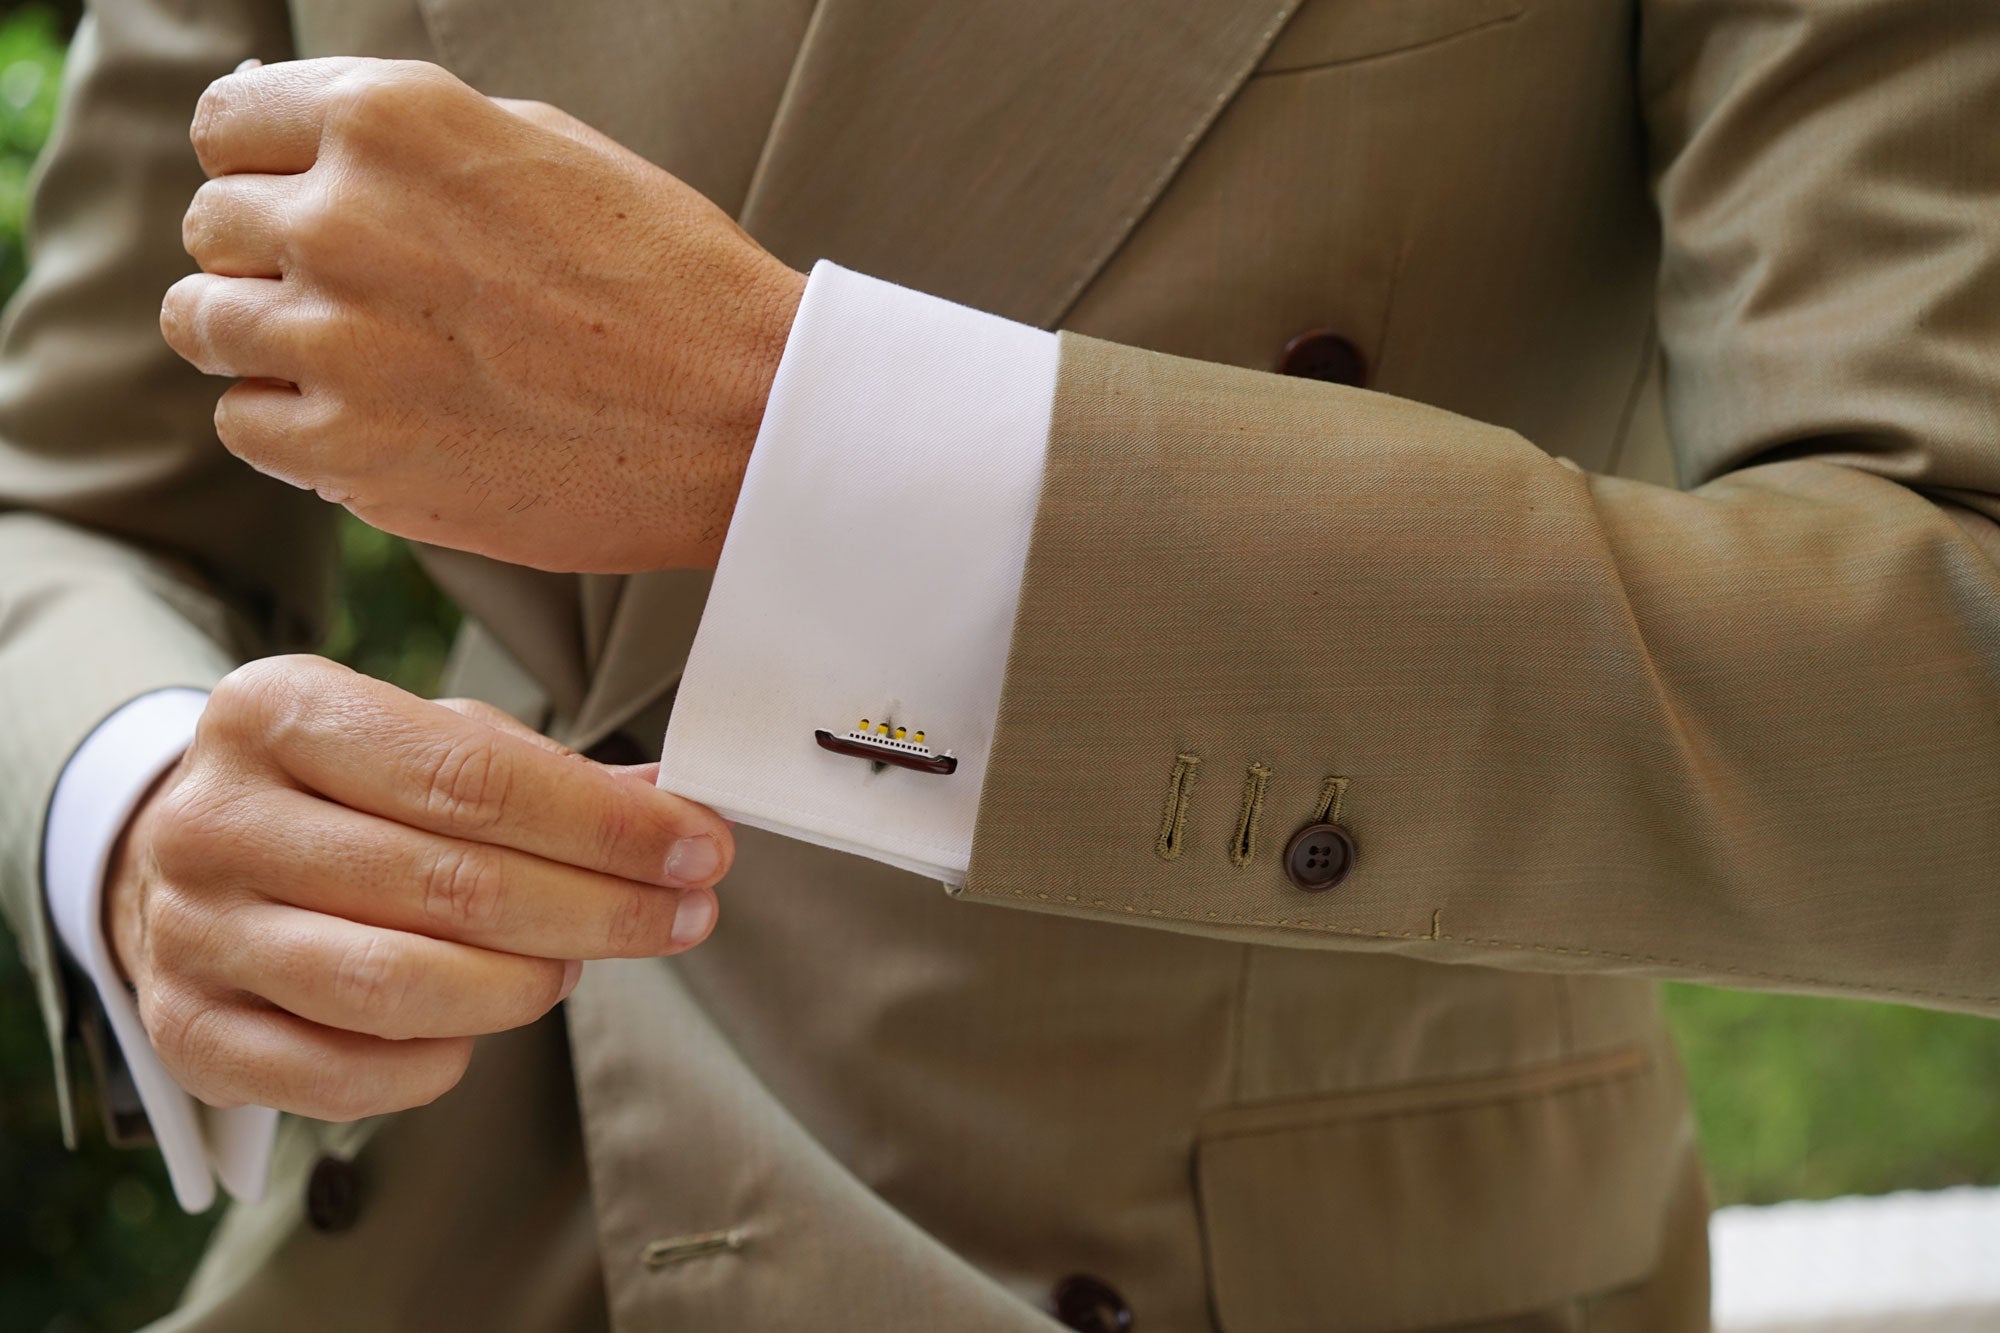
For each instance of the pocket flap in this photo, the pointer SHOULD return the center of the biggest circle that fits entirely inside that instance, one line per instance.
(1440, 1204)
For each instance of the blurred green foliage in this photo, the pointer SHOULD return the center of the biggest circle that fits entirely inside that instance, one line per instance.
(392, 622)
(1797, 1098)
(91, 1241)
(30, 66)
(94, 1240)
(1805, 1098)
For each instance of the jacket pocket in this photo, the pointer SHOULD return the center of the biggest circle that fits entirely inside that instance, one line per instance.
(1440, 1204)
(1335, 32)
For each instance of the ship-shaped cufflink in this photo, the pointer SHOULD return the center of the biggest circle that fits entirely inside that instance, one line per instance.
(884, 744)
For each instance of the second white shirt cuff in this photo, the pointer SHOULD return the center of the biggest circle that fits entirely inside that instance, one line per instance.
(99, 790)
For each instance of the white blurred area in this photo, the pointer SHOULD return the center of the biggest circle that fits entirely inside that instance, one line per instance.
(1901, 1263)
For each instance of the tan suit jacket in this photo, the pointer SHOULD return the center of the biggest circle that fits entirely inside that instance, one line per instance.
(1594, 729)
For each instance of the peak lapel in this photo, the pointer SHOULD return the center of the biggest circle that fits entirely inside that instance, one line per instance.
(994, 152)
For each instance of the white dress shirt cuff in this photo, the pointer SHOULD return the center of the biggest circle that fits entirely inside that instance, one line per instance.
(872, 569)
(97, 793)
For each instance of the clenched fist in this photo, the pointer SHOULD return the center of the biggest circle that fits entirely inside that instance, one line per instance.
(475, 323)
(340, 885)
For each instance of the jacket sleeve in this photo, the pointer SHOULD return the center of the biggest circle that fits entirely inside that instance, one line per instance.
(135, 553)
(1745, 732)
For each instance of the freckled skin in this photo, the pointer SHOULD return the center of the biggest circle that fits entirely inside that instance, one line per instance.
(492, 328)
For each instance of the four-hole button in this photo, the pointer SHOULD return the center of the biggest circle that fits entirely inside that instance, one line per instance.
(1319, 857)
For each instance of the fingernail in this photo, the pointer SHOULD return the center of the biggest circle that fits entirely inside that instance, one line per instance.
(252, 63)
(693, 860)
(573, 969)
(693, 918)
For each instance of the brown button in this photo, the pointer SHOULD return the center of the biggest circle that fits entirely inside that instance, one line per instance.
(1089, 1305)
(1319, 856)
(619, 748)
(1323, 354)
(333, 1195)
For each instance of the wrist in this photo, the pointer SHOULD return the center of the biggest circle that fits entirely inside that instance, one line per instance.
(778, 309)
(770, 305)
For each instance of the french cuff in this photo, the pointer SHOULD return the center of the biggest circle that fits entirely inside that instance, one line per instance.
(871, 571)
(99, 790)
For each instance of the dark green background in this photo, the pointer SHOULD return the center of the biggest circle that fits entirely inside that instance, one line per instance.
(1796, 1098)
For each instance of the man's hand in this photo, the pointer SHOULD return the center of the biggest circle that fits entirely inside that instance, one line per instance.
(478, 324)
(340, 885)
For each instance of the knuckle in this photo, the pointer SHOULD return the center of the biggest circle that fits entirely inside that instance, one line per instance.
(344, 1091)
(545, 990)
(189, 822)
(316, 333)
(455, 1057)
(312, 230)
(372, 981)
(177, 314)
(236, 433)
(467, 785)
(269, 702)
(540, 113)
(198, 224)
(353, 100)
(209, 112)
(270, 438)
(180, 928)
(208, 319)
(463, 891)
(640, 925)
(382, 95)
(243, 701)
(243, 690)
(616, 827)
(531, 990)
(433, 79)
(337, 1093)
(198, 318)
(449, 1059)
(184, 1029)
(637, 824)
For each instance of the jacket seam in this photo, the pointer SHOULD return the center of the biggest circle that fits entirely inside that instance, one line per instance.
(1356, 932)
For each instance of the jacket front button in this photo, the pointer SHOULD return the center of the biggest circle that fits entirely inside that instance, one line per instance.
(333, 1195)
(1089, 1305)
(1322, 354)
(1319, 857)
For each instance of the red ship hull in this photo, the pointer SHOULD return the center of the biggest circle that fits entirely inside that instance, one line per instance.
(940, 764)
